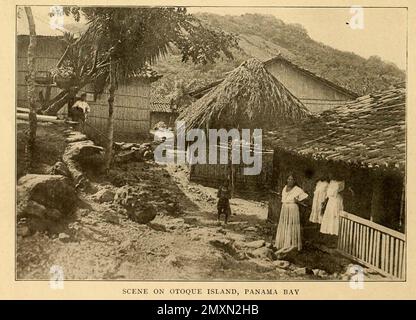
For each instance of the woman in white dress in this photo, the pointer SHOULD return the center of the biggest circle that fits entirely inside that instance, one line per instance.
(288, 230)
(319, 197)
(334, 206)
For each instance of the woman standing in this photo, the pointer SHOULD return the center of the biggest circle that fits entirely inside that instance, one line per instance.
(334, 206)
(288, 231)
(319, 197)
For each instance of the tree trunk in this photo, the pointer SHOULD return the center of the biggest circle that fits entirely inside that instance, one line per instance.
(31, 90)
(110, 121)
(57, 103)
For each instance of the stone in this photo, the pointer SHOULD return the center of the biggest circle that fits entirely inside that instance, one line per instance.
(111, 217)
(50, 191)
(59, 168)
(250, 229)
(54, 214)
(64, 237)
(282, 264)
(31, 208)
(157, 226)
(127, 146)
(255, 244)
(142, 214)
(173, 261)
(225, 245)
(303, 271)
(104, 195)
(126, 156)
(23, 231)
(76, 136)
(263, 252)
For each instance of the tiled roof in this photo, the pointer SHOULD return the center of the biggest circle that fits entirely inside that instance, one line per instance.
(160, 104)
(370, 131)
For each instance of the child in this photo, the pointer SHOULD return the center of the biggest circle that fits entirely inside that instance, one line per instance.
(223, 206)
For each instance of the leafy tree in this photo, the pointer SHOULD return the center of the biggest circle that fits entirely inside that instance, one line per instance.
(127, 39)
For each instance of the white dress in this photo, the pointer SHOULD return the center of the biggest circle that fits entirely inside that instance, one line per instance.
(288, 230)
(330, 220)
(319, 197)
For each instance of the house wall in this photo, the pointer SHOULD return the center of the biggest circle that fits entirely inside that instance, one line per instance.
(132, 102)
(256, 186)
(131, 113)
(316, 95)
(48, 51)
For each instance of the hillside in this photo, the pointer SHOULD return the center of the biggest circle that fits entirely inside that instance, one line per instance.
(265, 36)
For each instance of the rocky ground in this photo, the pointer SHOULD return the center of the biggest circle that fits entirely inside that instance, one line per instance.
(162, 227)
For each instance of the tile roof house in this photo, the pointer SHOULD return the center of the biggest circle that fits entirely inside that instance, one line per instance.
(369, 131)
(362, 143)
(161, 110)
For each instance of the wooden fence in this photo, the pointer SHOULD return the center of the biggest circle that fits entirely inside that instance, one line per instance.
(373, 245)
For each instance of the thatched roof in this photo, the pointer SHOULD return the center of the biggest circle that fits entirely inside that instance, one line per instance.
(249, 97)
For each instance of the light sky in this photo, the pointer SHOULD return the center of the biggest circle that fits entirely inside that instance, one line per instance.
(384, 33)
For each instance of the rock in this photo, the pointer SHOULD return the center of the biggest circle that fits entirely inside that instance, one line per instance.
(64, 237)
(128, 156)
(173, 261)
(31, 208)
(225, 245)
(263, 252)
(157, 226)
(104, 195)
(50, 191)
(76, 136)
(59, 168)
(23, 231)
(142, 214)
(54, 214)
(127, 146)
(111, 217)
(303, 271)
(83, 212)
(250, 229)
(263, 265)
(255, 244)
(282, 264)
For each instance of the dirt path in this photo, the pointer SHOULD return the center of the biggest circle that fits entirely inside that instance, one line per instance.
(183, 242)
(192, 245)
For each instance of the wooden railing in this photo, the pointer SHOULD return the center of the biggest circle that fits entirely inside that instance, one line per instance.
(373, 245)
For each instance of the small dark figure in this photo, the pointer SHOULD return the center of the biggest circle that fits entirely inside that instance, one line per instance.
(223, 206)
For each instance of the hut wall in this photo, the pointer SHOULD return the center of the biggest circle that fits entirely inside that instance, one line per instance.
(314, 94)
(48, 51)
(131, 113)
(167, 117)
(212, 175)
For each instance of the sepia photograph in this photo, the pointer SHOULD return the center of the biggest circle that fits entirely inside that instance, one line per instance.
(210, 143)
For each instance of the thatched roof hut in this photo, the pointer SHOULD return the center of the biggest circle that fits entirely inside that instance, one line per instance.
(249, 97)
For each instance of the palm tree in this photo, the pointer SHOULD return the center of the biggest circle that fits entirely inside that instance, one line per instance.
(31, 89)
(130, 39)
